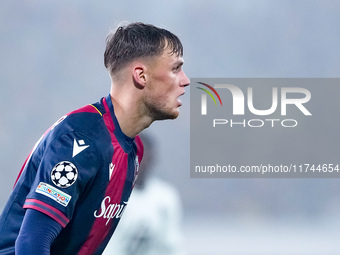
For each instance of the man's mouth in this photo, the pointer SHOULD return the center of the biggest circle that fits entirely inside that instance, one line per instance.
(179, 100)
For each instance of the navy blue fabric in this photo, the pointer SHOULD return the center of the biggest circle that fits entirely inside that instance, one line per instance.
(37, 233)
(104, 162)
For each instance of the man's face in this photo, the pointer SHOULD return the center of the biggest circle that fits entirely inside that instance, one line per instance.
(165, 83)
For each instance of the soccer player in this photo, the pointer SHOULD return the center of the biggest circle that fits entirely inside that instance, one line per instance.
(75, 185)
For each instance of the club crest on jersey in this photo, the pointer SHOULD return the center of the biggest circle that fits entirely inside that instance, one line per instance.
(64, 174)
(136, 170)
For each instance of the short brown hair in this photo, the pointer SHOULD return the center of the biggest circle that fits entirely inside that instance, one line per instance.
(137, 40)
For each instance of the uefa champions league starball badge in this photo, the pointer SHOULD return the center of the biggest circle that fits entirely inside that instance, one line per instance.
(64, 174)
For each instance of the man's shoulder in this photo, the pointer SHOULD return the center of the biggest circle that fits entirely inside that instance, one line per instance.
(87, 119)
(96, 108)
(84, 125)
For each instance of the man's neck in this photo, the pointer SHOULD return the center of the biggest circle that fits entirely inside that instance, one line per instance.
(129, 115)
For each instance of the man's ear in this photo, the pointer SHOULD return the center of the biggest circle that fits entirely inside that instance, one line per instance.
(139, 76)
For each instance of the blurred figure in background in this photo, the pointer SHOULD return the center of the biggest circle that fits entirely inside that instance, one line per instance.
(151, 222)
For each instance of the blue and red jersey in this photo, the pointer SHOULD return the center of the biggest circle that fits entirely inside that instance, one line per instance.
(81, 174)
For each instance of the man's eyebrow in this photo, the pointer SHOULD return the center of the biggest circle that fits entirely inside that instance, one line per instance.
(179, 62)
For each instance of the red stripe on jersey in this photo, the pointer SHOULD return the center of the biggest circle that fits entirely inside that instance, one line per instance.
(113, 195)
(48, 210)
(87, 108)
(140, 148)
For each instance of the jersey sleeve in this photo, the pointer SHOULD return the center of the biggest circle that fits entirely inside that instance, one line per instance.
(65, 168)
(37, 229)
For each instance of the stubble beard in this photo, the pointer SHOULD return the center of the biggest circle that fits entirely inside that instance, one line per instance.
(159, 111)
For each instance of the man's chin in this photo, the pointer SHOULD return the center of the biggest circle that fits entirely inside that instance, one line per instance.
(168, 115)
(174, 115)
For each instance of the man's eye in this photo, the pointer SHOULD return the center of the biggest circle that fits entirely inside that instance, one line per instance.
(177, 68)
